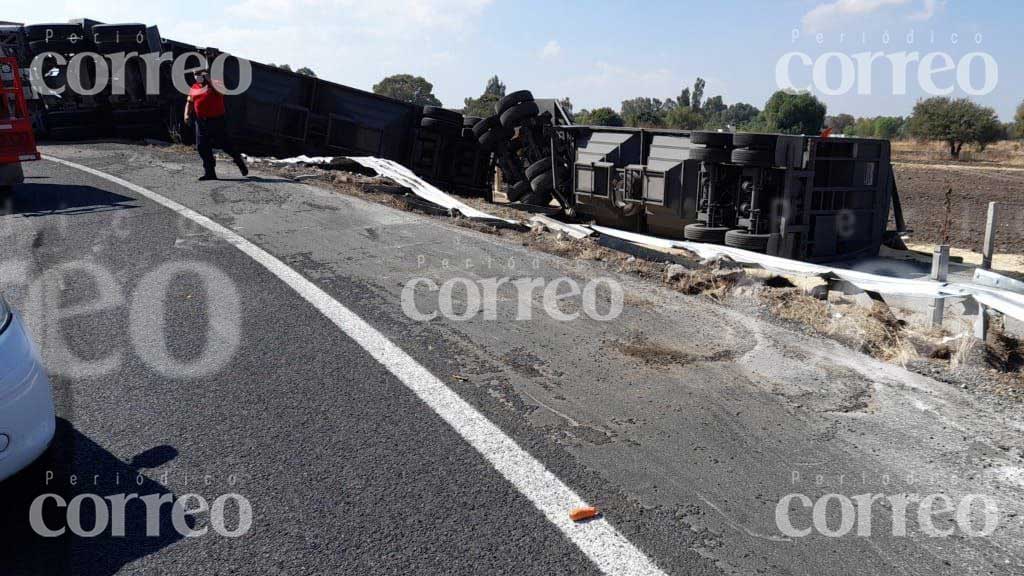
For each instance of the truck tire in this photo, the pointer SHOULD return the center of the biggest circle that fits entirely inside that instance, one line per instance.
(518, 190)
(710, 154)
(515, 115)
(492, 139)
(440, 126)
(486, 125)
(537, 198)
(470, 121)
(753, 140)
(537, 168)
(543, 183)
(442, 114)
(712, 139)
(701, 232)
(512, 99)
(747, 241)
(747, 157)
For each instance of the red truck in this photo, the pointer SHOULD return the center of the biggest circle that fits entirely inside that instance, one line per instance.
(17, 141)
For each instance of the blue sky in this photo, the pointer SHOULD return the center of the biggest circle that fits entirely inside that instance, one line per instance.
(597, 53)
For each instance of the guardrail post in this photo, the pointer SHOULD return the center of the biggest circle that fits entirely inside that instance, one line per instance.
(940, 271)
(981, 324)
(990, 238)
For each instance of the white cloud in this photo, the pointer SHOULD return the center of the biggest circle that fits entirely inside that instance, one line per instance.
(824, 16)
(550, 50)
(927, 11)
(833, 14)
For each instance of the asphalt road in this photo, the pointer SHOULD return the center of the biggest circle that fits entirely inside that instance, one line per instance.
(240, 386)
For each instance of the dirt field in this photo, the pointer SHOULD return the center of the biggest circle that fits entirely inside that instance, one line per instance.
(925, 177)
(1008, 153)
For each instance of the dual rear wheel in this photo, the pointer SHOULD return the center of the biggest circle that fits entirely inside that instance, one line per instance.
(742, 239)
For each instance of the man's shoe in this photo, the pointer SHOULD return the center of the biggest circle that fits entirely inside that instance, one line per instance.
(207, 177)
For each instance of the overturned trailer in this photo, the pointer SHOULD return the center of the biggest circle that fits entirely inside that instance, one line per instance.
(811, 198)
(804, 197)
(281, 113)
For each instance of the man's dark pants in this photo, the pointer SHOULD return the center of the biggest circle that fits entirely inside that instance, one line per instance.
(213, 133)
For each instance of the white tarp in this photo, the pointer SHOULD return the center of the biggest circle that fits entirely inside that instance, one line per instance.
(577, 231)
(399, 174)
(405, 177)
(314, 160)
(1007, 302)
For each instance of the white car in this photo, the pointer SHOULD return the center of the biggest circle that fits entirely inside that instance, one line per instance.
(27, 420)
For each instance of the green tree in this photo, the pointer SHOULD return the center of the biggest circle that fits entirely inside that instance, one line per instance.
(863, 127)
(644, 112)
(408, 88)
(1018, 122)
(698, 93)
(739, 114)
(484, 105)
(991, 131)
(712, 111)
(306, 72)
(495, 87)
(840, 123)
(684, 118)
(888, 127)
(714, 105)
(603, 116)
(799, 113)
(955, 122)
(684, 98)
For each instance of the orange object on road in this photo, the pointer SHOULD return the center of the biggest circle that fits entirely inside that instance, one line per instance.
(17, 141)
(583, 513)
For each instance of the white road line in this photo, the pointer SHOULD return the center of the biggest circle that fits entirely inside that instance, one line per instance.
(610, 551)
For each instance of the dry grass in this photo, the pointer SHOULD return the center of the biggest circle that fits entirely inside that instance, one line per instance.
(874, 331)
(1007, 153)
(716, 284)
(877, 332)
(1003, 351)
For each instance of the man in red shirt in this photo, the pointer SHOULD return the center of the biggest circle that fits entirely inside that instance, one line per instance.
(206, 103)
